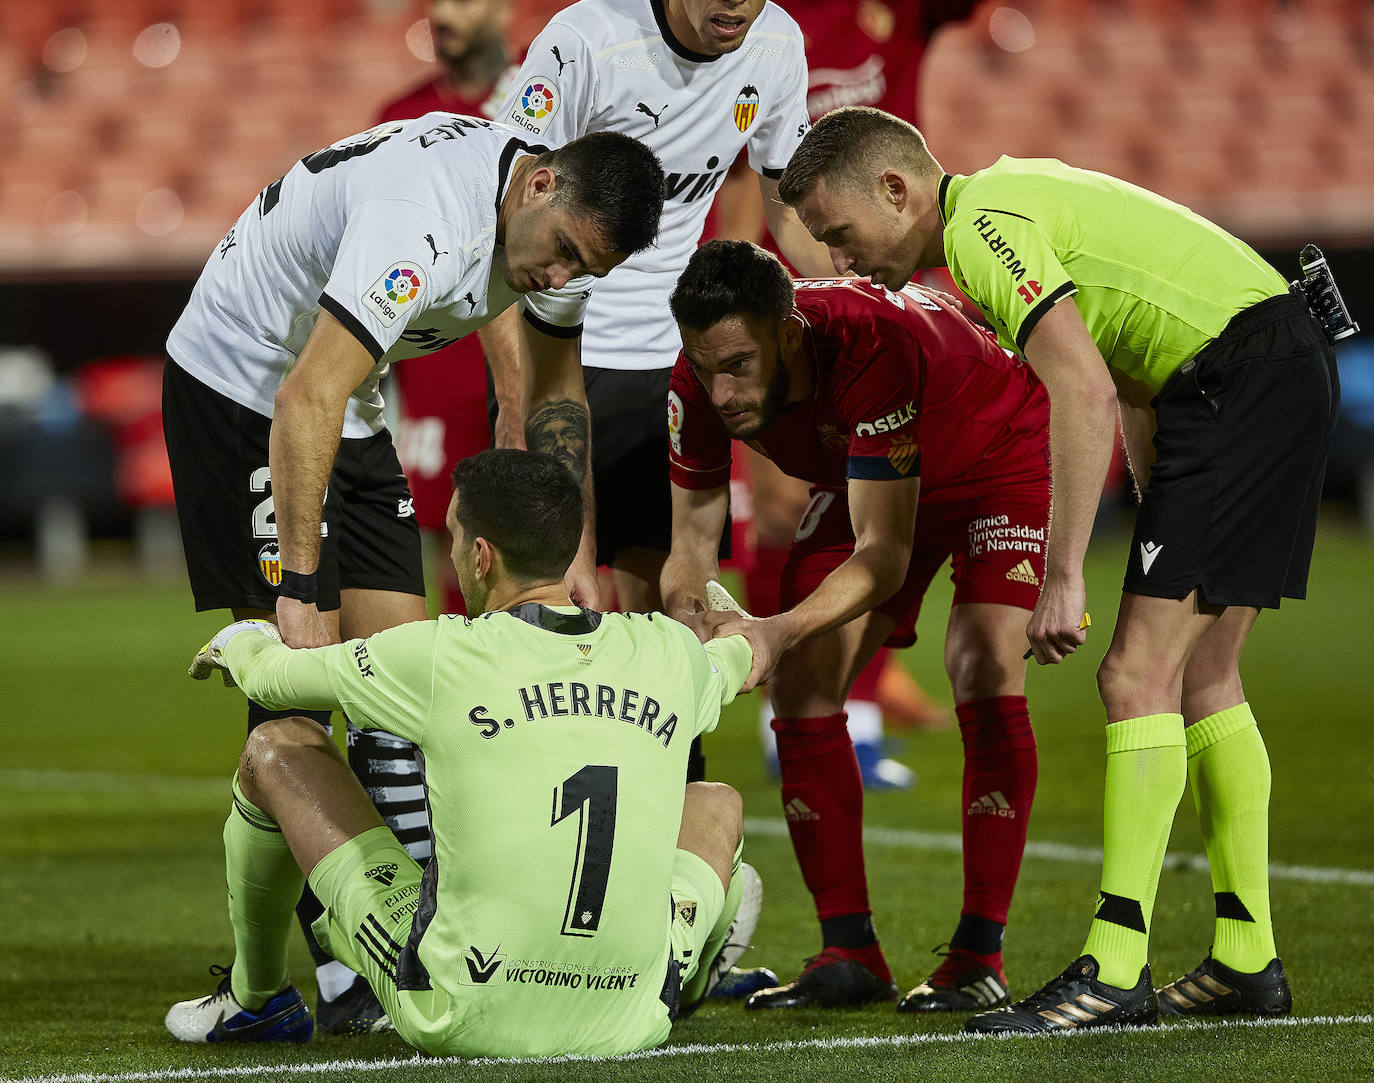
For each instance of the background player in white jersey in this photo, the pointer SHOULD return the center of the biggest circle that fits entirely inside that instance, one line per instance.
(696, 80)
(383, 246)
(530, 933)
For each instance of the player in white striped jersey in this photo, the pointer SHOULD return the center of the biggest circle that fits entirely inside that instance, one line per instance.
(698, 81)
(383, 246)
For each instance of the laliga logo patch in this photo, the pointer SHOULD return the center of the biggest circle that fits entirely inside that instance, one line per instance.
(402, 285)
(538, 102)
(746, 107)
(675, 422)
(269, 563)
(398, 287)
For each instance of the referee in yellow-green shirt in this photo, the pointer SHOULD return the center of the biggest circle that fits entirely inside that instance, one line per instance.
(1122, 301)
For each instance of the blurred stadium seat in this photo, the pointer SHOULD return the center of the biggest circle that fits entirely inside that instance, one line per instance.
(1259, 113)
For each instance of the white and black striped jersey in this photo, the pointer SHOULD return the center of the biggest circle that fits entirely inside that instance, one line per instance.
(393, 232)
(613, 65)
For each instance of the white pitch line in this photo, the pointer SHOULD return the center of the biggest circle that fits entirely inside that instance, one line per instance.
(901, 838)
(109, 782)
(418, 1062)
(896, 837)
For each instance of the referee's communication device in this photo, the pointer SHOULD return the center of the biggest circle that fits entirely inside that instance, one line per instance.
(1318, 288)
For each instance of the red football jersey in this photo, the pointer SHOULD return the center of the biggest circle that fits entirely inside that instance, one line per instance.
(869, 52)
(903, 386)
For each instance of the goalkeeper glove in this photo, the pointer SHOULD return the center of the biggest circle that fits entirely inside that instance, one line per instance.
(721, 600)
(211, 656)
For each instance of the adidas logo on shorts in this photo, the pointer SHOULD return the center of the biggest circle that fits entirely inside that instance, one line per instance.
(1023, 573)
(796, 810)
(992, 804)
(383, 874)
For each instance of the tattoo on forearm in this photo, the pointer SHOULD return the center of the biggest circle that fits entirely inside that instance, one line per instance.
(561, 429)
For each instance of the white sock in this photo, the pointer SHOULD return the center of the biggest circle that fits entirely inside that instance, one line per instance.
(865, 723)
(333, 978)
(767, 737)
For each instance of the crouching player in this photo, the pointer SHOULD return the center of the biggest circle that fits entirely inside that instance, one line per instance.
(578, 895)
(873, 397)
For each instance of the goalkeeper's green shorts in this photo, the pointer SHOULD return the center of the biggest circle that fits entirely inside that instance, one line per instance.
(370, 890)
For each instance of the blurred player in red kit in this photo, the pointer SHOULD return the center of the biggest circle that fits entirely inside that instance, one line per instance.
(443, 395)
(874, 398)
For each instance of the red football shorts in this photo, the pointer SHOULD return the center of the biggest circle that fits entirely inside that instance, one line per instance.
(994, 536)
(444, 419)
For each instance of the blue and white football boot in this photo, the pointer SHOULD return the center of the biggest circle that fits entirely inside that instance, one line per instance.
(220, 1018)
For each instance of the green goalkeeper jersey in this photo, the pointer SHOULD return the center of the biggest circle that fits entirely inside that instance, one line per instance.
(1154, 282)
(555, 751)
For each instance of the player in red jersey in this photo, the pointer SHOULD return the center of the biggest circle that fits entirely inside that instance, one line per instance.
(443, 395)
(864, 53)
(874, 398)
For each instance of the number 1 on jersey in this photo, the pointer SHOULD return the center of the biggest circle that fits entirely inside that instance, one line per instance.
(591, 795)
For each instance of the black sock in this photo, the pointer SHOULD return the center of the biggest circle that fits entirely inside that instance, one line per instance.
(848, 931)
(978, 935)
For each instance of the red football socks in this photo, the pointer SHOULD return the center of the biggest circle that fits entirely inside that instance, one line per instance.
(999, 785)
(823, 799)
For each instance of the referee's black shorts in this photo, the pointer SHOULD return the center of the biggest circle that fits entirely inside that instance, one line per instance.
(1240, 455)
(218, 453)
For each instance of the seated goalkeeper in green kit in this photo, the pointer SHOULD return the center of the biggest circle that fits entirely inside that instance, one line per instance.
(581, 893)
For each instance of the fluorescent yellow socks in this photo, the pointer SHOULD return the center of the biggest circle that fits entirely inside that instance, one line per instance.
(264, 883)
(1229, 771)
(1146, 774)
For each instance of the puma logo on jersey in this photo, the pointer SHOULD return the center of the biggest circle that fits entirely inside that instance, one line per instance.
(472, 303)
(642, 108)
(434, 248)
(1148, 552)
(561, 62)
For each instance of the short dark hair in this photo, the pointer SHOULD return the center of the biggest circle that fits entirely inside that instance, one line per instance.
(527, 505)
(849, 147)
(615, 181)
(729, 278)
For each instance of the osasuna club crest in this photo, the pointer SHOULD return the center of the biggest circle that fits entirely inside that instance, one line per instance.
(903, 454)
(746, 107)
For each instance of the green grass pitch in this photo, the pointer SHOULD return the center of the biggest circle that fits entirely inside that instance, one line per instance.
(113, 790)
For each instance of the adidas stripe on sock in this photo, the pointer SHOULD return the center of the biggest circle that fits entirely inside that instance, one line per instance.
(1228, 768)
(1146, 774)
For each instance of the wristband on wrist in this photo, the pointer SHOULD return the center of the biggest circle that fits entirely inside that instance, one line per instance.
(298, 585)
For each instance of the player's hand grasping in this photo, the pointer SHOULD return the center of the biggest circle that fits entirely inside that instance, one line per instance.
(583, 587)
(301, 624)
(1058, 626)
